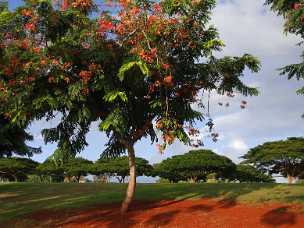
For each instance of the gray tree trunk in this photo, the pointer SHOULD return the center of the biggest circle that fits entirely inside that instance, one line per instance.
(290, 179)
(132, 181)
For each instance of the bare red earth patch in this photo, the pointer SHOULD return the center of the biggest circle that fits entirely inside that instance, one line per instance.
(184, 213)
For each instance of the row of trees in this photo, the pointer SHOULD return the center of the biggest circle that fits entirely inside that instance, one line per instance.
(16, 169)
(200, 165)
(283, 157)
(194, 166)
(52, 170)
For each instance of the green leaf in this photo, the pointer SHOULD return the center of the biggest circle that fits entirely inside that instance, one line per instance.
(128, 66)
(114, 121)
(124, 68)
(111, 96)
(300, 91)
(214, 44)
(143, 67)
(155, 104)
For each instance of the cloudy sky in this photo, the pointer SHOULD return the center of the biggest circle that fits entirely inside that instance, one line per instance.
(246, 26)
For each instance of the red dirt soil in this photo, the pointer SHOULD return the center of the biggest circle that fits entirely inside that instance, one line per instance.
(185, 213)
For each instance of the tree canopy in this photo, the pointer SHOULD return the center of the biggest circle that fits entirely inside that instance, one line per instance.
(58, 168)
(77, 167)
(13, 140)
(194, 166)
(46, 75)
(52, 170)
(248, 173)
(148, 62)
(16, 169)
(119, 167)
(285, 157)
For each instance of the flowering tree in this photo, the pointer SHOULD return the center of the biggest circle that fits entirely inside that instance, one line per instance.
(141, 63)
(293, 13)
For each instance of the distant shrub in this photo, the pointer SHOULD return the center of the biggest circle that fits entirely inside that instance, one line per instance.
(163, 181)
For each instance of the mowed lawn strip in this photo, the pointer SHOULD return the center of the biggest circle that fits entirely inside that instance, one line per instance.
(25, 198)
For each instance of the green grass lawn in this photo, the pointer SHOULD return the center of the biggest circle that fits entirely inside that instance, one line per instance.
(24, 198)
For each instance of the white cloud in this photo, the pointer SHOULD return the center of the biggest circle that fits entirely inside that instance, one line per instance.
(238, 145)
(249, 26)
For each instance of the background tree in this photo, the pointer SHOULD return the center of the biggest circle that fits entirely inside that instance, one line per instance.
(77, 167)
(119, 167)
(194, 166)
(13, 140)
(126, 72)
(16, 169)
(166, 171)
(248, 173)
(293, 13)
(62, 156)
(51, 170)
(62, 165)
(285, 157)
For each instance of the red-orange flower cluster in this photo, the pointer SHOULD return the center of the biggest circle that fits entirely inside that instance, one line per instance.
(105, 26)
(148, 56)
(27, 13)
(30, 27)
(168, 138)
(168, 81)
(85, 76)
(297, 6)
(83, 4)
(8, 71)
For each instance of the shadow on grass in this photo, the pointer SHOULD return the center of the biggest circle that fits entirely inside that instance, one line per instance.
(201, 207)
(175, 194)
(158, 214)
(143, 214)
(85, 196)
(279, 216)
(296, 198)
(225, 191)
(111, 218)
(227, 203)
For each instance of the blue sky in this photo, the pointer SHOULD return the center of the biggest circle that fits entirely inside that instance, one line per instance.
(246, 26)
(14, 3)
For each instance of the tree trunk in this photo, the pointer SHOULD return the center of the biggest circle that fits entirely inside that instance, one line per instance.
(66, 179)
(132, 180)
(15, 178)
(119, 179)
(290, 179)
